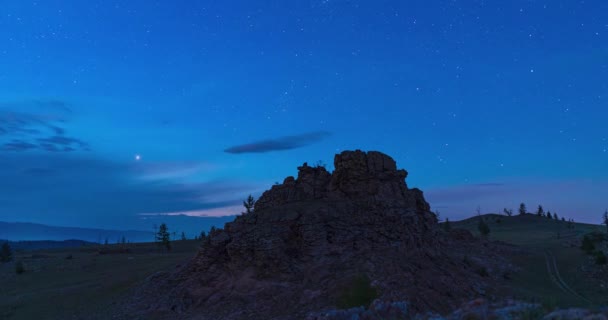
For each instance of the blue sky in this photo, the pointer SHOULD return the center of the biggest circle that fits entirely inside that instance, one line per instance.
(485, 103)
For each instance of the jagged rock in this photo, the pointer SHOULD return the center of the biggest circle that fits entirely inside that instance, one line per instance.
(310, 236)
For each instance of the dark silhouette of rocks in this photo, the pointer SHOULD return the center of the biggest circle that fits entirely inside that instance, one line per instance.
(310, 236)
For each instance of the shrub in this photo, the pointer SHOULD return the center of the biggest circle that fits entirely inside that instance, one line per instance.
(6, 253)
(483, 228)
(600, 258)
(482, 271)
(587, 244)
(358, 293)
(19, 268)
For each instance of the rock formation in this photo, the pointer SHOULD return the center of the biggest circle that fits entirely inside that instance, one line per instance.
(311, 235)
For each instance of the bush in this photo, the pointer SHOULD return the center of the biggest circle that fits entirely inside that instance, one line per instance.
(587, 244)
(358, 293)
(6, 253)
(600, 258)
(483, 228)
(19, 268)
(482, 271)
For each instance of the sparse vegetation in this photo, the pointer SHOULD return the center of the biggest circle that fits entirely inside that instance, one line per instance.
(605, 219)
(587, 244)
(600, 257)
(541, 212)
(249, 205)
(6, 253)
(19, 268)
(321, 164)
(522, 209)
(163, 237)
(508, 212)
(358, 293)
(482, 271)
(483, 227)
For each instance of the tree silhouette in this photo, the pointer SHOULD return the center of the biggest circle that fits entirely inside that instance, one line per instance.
(508, 212)
(184, 236)
(249, 204)
(605, 218)
(446, 226)
(522, 209)
(6, 253)
(163, 237)
(540, 212)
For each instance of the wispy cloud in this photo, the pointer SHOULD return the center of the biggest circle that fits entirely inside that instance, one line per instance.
(60, 188)
(37, 125)
(278, 144)
(225, 211)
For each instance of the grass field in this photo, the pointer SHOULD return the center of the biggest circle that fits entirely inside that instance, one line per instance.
(559, 283)
(56, 286)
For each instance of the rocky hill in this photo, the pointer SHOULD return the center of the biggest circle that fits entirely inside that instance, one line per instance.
(308, 239)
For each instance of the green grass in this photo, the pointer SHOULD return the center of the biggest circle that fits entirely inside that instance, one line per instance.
(538, 235)
(55, 287)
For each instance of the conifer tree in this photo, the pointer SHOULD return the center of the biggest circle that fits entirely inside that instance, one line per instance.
(522, 209)
(249, 204)
(540, 212)
(163, 237)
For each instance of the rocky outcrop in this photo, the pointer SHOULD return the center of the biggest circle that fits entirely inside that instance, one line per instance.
(311, 235)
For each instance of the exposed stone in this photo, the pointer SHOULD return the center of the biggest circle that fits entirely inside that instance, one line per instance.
(310, 236)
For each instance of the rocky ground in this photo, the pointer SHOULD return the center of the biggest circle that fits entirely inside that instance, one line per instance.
(310, 237)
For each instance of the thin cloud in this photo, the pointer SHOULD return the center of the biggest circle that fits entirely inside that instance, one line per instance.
(37, 125)
(279, 144)
(60, 189)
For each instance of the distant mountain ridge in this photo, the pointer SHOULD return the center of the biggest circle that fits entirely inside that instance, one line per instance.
(22, 231)
(47, 244)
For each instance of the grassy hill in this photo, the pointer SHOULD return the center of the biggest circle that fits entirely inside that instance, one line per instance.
(552, 262)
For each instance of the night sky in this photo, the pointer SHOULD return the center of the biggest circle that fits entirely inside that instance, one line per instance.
(115, 112)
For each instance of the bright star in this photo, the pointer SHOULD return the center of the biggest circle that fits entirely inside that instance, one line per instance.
(137, 157)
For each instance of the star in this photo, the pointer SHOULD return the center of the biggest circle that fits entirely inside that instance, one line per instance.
(137, 157)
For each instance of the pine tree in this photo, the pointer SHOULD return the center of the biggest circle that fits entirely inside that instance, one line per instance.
(555, 216)
(163, 237)
(249, 204)
(549, 215)
(6, 253)
(540, 212)
(605, 218)
(183, 236)
(522, 209)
